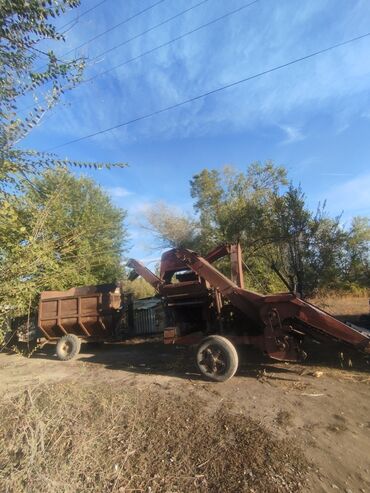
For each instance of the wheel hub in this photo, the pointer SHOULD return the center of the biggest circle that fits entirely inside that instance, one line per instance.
(213, 360)
(66, 348)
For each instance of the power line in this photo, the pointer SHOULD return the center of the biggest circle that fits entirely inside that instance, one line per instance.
(107, 30)
(127, 40)
(114, 27)
(142, 34)
(173, 40)
(75, 20)
(85, 12)
(99, 35)
(208, 93)
(160, 24)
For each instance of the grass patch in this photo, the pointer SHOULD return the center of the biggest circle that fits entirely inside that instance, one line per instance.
(100, 438)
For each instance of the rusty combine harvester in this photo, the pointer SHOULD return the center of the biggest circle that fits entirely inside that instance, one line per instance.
(205, 307)
(195, 304)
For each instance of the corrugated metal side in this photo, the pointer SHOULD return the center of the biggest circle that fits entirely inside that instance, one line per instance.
(149, 319)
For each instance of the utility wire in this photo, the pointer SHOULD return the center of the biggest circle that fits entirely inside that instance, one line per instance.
(85, 12)
(173, 40)
(113, 27)
(26, 108)
(107, 30)
(160, 24)
(74, 21)
(213, 91)
(139, 35)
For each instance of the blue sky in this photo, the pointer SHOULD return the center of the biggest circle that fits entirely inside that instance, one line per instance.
(313, 117)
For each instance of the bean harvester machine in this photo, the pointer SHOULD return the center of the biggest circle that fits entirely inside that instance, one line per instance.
(205, 307)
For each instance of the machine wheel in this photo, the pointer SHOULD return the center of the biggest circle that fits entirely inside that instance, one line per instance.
(217, 358)
(68, 347)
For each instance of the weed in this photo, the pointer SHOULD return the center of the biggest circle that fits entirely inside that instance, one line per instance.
(81, 438)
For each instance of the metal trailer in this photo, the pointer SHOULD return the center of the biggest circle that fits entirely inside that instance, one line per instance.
(94, 314)
(205, 307)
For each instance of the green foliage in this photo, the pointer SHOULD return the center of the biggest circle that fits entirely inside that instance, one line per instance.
(234, 206)
(278, 232)
(357, 260)
(56, 231)
(308, 247)
(32, 80)
(139, 288)
(62, 231)
(172, 228)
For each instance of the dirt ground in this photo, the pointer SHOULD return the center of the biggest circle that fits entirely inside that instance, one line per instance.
(323, 404)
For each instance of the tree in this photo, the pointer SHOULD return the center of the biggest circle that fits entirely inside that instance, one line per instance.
(138, 288)
(309, 246)
(62, 231)
(172, 228)
(356, 265)
(230, 206)
(281, 237)
(233, 206)
(32, 78)
(34, 255)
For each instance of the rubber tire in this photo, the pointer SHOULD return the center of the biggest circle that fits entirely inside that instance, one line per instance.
(229, 351)
(75, 345)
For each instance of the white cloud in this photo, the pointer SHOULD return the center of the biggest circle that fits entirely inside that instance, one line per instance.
(118, 192)
(352, 196)
(262, 36)
(292, 134)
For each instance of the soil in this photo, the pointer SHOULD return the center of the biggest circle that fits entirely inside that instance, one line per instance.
(322, 405)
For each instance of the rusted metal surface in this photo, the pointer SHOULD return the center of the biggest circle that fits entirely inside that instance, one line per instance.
(208, 302)
(89, 312)
(148, 316)
(140, 270)
(228, 289)
(236, 265)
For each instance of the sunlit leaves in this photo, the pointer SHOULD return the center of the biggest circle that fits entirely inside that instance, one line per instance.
(61, 231)
(29, 74)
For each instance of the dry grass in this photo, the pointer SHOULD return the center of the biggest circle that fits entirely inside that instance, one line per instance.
(348, 307)
(96, 438)
(283, 418)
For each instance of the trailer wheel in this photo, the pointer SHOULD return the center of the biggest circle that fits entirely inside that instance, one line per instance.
(68, 347)
(217, 358)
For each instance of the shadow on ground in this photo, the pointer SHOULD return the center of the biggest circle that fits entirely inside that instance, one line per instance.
(179, 361)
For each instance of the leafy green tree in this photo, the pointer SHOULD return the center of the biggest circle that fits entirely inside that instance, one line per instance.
(206, 189)
(47, 235)
(308, 246)
(281, 237)
(62, 231)
(138, 288)
(171, 228)
(356, 265)
(230, 206)
(32, 80)
(233, 206)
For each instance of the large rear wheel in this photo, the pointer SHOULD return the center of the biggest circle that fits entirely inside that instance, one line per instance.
(217, 358)
(68, 347)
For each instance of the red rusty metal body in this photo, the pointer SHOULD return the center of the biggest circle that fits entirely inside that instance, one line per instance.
(90, 312)
(202, 300)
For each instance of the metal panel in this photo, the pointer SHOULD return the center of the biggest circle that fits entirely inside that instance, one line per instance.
(148, 317)
(87, 311)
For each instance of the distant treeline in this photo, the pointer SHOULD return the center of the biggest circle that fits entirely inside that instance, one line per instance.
(269, 215)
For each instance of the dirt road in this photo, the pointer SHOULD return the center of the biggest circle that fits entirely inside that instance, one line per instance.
(326, 413)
